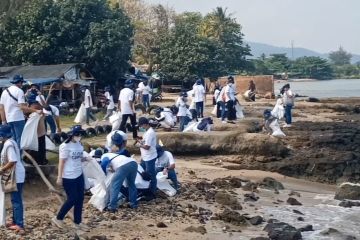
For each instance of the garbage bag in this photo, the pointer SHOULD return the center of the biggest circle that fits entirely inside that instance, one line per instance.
(81, 115)
(115, 120)
(279, 110)
(276, 131)
(100, 193)
(239, 111)
(2, 207)
(29, 138)
(50, 145)
(164, 185)
(190, 127)
(91, 169)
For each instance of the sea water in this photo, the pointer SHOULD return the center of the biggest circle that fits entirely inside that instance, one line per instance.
(324, 88)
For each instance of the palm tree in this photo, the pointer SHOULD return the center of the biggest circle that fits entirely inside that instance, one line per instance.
(215, 24)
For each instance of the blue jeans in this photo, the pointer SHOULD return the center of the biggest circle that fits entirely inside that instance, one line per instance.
(74, 189)
(17, 128)
(128, 172)
(223, 110)
(149, 167)
(146, 101)
(288, 118)
(51, 121)
(89, 115)
(200, 109)
(171, 175)
(17, 205)
(184, 120)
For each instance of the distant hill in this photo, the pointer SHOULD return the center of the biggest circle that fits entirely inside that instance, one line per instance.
(259, 48)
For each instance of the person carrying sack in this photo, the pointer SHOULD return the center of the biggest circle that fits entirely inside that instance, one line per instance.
(12, 174)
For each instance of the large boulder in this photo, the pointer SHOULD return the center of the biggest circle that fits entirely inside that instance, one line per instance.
(282, 231)
(271, 184)
(349, 191)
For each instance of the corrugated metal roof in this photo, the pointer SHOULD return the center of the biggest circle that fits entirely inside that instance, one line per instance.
(35, 72)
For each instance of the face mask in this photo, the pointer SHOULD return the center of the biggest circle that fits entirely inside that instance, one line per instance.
(77, 139)
(141, 129)
(230, 84)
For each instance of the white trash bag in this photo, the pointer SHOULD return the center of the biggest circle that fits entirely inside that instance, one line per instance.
(164, 185)
(81, 115)
(275, 127)
(92, 169)
(239, 111)
(50, 145)
(101, 193)
(190, 127)
(29, 139)
(214, 111)
(279, 110)
(115, 120)
(2, 207)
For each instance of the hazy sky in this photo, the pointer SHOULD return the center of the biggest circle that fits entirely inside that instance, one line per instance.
(320, 25)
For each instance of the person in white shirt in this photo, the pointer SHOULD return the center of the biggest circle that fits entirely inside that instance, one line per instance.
(165, 117)
(221, 104)
(109, 94)
(145, 93)
(13, 106)
(70, 176)
(148, 152)
(10, 158)
(165, 163)
(183, 111)
(288, 101)
(199, 98)
(88, 104)
(126, 106)
(230, 99)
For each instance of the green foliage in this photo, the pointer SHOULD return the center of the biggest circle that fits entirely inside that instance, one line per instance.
(347, 71)
(67, 31)
(340, 57)
(312, 67)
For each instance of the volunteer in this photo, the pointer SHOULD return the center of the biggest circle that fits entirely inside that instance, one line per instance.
(12, 106)
(182, 113)
(126, 106)
(70, 176)
(199, 98)
(125, 168)
(88, 104)
(109, 94)
(288, 101)
(52, 118)
(145, 93)
(148, 152)
(230, 99)
(10, 158)
(221, 104)
(252, 90)
(165, 163)
(165, 117)
(108, 139)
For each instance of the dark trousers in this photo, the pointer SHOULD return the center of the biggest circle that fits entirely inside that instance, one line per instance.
(231, 110)
(288, 117)
(74, 189)
(184, 120)
(218, 109)
(200, 109)
(133, 123)
(89, 115)
(40, 155)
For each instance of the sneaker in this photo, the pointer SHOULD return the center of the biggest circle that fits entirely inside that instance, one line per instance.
(57, 222)
(287, 125)
(82, 227)
(223, 121)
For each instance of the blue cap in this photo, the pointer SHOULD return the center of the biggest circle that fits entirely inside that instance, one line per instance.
(98, 153)
(117, 139)
(183, 94)
(5, 131)
(129, 83)
(76, 130)
(160, 151)
(143, 120)
(17, 79)
(198, 82)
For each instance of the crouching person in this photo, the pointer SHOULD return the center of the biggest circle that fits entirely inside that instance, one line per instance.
(166, 163)
(70, 176)
(125, 168)
(165, 117)
(10, 159)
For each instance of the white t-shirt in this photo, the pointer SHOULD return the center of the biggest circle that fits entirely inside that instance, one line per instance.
(229, 91)
(221, 95)
(199, 92)
(144, 89)
(88, 100)
(119, 161)
(126, 95)
(149, 139)
(165, 160)
(11, 153)
(169, 118)
(72, 153)
(111, 100)
(12, 109)
(182, 107)
(38, 99)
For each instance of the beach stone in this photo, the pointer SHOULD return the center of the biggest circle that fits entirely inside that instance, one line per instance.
(282, 231)
(271, 184)
(294, 193)
(313, 99)
(199, 229)
(293, 202)
(349, 204)
(235, 182)
(297, 212)
(256, 220)
(307, 228)
(301, 219)
(232, 217)
(250, 197)
(224, 198)
(161, 225)
(336, 234)
(250, 186)
(349, 191)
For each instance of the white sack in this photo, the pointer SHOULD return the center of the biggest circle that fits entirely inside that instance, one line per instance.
(275, 127)
(115, 120)
(164, 185)
(92, 169)
(190, 127)
(100, 194)
(239, 111)
(214, 111)
(279, 110)
(2, 207)
(29, 138)
(81, 115)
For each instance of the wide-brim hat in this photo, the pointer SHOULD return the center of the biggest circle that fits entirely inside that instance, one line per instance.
(5, 132)
(17, 79)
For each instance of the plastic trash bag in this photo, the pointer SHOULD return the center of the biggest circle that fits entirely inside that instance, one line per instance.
(279, 110)
(81, 115)
(275, 127)
(29, 138)
(92, 169)
(164, 185)
(100, 193)
(115, 120)
(239, 111)
(2, 207)
(246, 94)
(190, 127)
(50, 145)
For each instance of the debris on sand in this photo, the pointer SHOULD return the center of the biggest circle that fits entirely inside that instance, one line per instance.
(282, 231)
(336, 234)
(161, 225)
(232, 217)
(250, 186)
(271, 184)
(349, 204)
(199, 229)
(227, 200)
(250, 197)
(307, 228)
(256, 220)
(349, 191)
(293, 202)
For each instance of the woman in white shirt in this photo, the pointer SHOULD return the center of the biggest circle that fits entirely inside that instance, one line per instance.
(109, 102)
(10, 157)
(183, 111)
(145, 93)
(288, 101)
(70, 176)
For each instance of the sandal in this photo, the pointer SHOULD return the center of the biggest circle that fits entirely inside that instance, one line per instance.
(9, 224)
(17, 229)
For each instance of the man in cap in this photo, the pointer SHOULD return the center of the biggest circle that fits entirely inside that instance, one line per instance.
(13, 106)
(88, 104)
(126, 106)
(199, 97)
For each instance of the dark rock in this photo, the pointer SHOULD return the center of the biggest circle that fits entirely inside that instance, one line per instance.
(271, 184)
(260, 238)
(161, 225)
(293, 202)
(349, 204)
(203, 185)
(200, 229)
(272, 220)
(235, 182)
(220, 183)
(232, 217)
(307, 228)
(282, 231)
(256, 220)
(336, 234)
(250, 197)
(301, 219)
(227, 200)
(349, 191)
(294, 193)
(313, 99)
(297, 212)
(250, 186)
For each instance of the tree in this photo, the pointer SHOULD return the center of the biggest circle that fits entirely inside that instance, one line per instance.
(312, 67)
(68, 31)
(340, 57)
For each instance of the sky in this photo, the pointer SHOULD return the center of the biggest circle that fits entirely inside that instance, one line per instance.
(319, 25)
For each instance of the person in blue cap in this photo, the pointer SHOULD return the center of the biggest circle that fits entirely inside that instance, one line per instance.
(13, 107)
(165, 163)
(10, 157)
(125, 168)
(126, 105)
(199, 98)
(70, 176)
